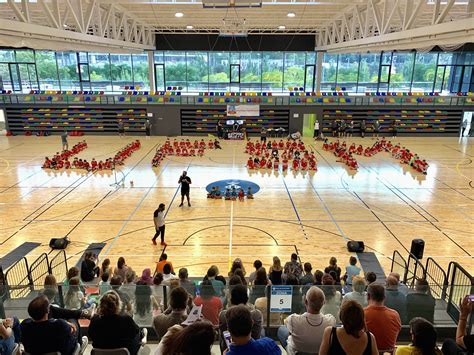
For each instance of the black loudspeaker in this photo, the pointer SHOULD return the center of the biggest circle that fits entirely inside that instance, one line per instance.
(355, 246)
(59, 243)
(417, 248)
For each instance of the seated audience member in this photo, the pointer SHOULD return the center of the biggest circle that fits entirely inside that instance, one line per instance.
(89, 269)
(293, 267)
(50, 289)
(333, 267)
(144, 305)
(9, 335)
(261, 304)
(74, 298)
(257, 264)
(167, 275)
(352, 337)
(351, 271)
(146, 277)
(275, 272)
(236, 264)
(333, 297)
(105, 267)
(358, 294)
(318, 277)
(157, 288)
(297, 305)
(104, 283)
(195, 339)
(129, 285)
(163, 261)
(384, 323)
(185, 282)
(211, 304)
(110, 329)
(464, 343)
(72, 272)
(217, 284)
(238, 295)
(116, 283)
(420, 303)
(394, 299)
(308, 278)
(62, 336)
(259, 285)
(239, 323)
(423, 339)
(121, 269)
(370, 277)
(304, 332)
(401, 286)
(178, 301)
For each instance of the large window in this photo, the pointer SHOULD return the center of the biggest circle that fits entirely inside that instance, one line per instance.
(272, 67)
(250, 71)
(401, 71)
(328, 74)
(348, 71)
(424, 72)
(197, 71)
(141, 71)
(175, 69)
(68, 71)
(294, 73)
(47, 70)
(219, 71)
(368, 72)
(99, 71)
(121, 71)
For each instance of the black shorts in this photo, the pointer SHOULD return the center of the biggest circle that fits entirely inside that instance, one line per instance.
(121, 130)
(184, 192)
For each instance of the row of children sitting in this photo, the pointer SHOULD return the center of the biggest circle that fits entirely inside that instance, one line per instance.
(125, 152)
(186, 143)
(252, 148)
(273, 162)
(406, 157)
(230, 193)
(343, 153)
(57, 162)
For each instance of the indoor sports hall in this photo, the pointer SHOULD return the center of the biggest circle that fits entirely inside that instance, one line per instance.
(313, 152)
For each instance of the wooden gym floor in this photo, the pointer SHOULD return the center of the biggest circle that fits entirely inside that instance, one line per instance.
(385, 204)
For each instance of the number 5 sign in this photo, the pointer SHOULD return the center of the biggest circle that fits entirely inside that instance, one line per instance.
(280, 300)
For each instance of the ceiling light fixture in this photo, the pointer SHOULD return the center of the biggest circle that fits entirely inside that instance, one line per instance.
(189, 27)
(281, 27)
(179, 14)
(291, 14)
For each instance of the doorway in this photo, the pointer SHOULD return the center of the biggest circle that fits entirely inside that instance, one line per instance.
(308, 124)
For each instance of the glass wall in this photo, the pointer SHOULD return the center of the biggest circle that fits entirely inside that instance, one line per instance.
(22, 70)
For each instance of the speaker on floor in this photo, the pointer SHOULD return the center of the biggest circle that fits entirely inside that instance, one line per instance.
(417, 248)
(59, 243)
(355, 246)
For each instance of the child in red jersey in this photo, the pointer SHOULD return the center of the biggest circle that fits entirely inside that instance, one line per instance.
(196, 144)
(67, 164)
(274, 145)
(312, 165)
(276, 164)
(93, 164)
(192, 152)
(184, 152)
(100, 165)
(202, 144)
(250, 163)
(352, 163)
(304, 164)
(296, 164)
(359, 150)
(284, 163)
(59, 164)
(352, 148)
(368, 152)
(263, 163)
(87, 166)
(200, 152)
(47, 163)
(269, 164)
(178, 151)
(281, 144)
(241, 195)
(326, 145)
(210, 145)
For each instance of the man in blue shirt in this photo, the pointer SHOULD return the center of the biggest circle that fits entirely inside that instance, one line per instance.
(239, 323)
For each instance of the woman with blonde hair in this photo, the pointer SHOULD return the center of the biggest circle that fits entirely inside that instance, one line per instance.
(275, 271)
(358, 294)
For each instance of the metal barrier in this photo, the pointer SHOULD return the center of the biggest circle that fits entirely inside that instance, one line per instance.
(17, 279)
(436, 278)
(38, 270)
(399, 265)
(58, 266)
(460, 284)
(415, 271)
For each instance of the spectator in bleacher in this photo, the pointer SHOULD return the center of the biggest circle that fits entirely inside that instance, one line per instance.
(293, 267)
(128, 286)
(157, 288)
(351, 271)
(116, 283)
(161, 264)
(275, 272)
(50, 289)
(106, 267)
(352, 337)
(196, 338)
(238, 295)
(89, 270)
(185, 282)
(178, 302)
(62, 336)
(74, 298)
(420, 303)
(259, 285)
(257, 264)
(304, 333)
(146, 277)
(370, 277)
(72, 272)
(233, 281)
(217, 284)
(401, 286)
(211, 304)
(332, 297)
(9, 335)
(167, 275)
(423, 339)
(239, 323)
(104, 283)
(261, 304)
(239, 273)
(384, 323)
(318, 277)
(215, 271)
(394, 299)
(297, 305)
(144, 305)
(111, 329)
(121, 269)
(333, 267)
(358, 294)
(464, 343)
(308, 276)
(236, 264)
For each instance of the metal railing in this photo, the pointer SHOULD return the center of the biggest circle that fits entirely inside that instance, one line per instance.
(38, 270)
(17, 279)
(415, 271)
(460, 284)
(399, 265)
(437, 278)
(58, 266)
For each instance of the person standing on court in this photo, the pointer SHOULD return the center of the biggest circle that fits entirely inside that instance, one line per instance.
(363, 127)
(263, 135)
(64, 140)
(185, 181)
(121, 128)
(148, 128)
(316, 129)
(159, 220)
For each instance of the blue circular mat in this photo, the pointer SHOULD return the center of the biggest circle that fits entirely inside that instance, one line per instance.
(238, 184)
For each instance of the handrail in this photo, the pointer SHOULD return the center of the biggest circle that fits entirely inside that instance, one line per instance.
(38, 270)
(399, 266)
(437, 278)
(417, 273)
(460, 284)
(20, 280)
(55, 264)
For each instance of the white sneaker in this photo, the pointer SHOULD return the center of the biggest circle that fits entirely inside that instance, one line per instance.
(145, 334)
(85, 342)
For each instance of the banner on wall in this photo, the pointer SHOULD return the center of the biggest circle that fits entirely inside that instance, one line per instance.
(243, 110)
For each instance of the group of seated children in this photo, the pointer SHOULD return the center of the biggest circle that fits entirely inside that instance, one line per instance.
(267, 156)
(125, 152)
(406, 157)
(343, 153)
(183, 148)
(230, 193)
(61, 160)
